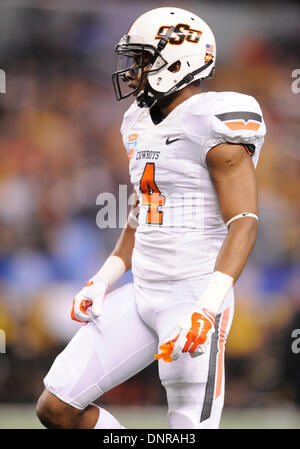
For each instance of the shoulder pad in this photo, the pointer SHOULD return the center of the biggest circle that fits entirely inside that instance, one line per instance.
(217, 117)
(238, 120)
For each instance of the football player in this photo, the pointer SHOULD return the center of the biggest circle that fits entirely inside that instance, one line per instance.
(192, 158)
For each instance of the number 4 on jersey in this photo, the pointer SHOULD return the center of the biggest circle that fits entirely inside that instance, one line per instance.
(151, 195)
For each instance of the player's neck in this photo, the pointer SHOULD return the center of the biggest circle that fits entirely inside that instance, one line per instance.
(168, 104)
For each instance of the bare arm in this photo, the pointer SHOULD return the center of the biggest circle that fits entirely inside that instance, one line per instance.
(125, 243)
(233, 176)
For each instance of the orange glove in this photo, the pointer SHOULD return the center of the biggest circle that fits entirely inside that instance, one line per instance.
(194, 333)
(166, 349)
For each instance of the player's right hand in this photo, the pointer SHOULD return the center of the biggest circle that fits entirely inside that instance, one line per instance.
(193, 335)
(92, 295)
(166, 351)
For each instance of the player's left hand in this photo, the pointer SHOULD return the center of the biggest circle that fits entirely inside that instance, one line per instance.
(193, 335)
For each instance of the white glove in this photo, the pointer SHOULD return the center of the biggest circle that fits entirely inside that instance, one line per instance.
(92, 295)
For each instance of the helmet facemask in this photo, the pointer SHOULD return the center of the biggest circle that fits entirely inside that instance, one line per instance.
(137, 60)
(129, 49)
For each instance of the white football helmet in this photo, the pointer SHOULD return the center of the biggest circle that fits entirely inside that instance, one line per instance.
(169, 35)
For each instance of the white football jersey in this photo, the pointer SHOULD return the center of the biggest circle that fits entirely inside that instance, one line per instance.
(180, 225)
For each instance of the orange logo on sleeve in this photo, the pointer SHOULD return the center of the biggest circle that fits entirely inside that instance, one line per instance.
(252, 126)
(241, 120)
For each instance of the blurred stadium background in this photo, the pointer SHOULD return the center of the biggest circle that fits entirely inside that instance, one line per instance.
(60, 147)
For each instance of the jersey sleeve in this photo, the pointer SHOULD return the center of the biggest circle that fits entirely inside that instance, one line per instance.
(221, 117)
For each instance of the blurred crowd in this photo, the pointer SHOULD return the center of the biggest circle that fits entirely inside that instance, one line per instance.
(60, 146)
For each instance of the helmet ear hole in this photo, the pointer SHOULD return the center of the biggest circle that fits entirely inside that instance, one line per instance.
(175, 67)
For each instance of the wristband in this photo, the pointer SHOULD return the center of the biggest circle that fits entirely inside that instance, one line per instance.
(113, 268)
(216, 291)
(243, 215)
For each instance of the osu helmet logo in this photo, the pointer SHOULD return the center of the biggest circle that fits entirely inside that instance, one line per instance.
(183, 31)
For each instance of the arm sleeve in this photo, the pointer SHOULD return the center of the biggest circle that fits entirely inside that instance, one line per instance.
(222, 117)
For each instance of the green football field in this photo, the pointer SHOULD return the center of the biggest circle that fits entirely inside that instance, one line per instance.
(23, 417)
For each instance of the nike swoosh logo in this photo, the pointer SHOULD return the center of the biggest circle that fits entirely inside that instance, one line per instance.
(245, 213)
(168, 141)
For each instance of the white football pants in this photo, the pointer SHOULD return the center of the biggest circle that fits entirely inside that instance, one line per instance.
(136, 319)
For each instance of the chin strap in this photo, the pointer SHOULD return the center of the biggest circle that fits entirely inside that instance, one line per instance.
(147, 98)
